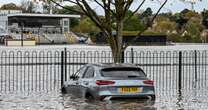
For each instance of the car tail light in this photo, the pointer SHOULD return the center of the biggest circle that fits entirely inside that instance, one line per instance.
(104, 82)
(149, 82)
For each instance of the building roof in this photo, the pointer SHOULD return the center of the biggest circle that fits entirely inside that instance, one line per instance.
(43, 15)
(10, 11)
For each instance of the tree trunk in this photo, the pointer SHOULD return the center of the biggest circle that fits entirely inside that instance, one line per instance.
(118, 56)
(117, 47)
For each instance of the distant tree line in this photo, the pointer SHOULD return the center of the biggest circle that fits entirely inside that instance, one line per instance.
(26, 6)
(185, 26)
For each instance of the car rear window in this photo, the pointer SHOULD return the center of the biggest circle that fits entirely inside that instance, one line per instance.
(122, 72)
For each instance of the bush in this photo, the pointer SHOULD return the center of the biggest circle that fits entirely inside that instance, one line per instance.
(175, 37)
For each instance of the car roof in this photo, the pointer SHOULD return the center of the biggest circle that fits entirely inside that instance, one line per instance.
(113, 65)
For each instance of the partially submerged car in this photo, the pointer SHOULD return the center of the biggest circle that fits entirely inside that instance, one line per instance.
(110, 81)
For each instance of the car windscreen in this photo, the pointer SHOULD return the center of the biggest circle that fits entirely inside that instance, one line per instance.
(122, 72)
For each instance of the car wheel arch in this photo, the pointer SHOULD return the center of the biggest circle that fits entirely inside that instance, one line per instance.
(63, 90)
(88, 95)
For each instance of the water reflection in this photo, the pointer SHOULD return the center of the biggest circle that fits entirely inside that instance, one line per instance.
(128, 104)
(179, 100)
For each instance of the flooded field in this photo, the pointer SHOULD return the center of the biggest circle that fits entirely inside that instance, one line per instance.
(167, 98)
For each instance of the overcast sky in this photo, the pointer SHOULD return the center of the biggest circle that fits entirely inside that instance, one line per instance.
(171, 6)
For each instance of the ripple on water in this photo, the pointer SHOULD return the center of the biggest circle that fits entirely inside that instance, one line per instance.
(188, 100)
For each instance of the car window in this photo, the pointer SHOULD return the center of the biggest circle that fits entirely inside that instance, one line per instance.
(89, 73)
(80, 72)
(122, 72)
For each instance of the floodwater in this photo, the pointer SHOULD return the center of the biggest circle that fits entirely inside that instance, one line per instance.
(101, 48)
(189, 100)
(193, 99)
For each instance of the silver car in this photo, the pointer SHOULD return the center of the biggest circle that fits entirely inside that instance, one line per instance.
(110, 81)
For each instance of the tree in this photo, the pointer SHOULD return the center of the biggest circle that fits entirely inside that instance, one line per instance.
(165, 26)
(10, 6)
(115, 14)
(146, 17)
(193, 31)
(147, 13)
(48, 6)
(192, 14)
(133, 23)
(68, 10)
(205, 18)
(175, 37)
(28, 6)
(86, 26)
(181, 22)
(73, 21)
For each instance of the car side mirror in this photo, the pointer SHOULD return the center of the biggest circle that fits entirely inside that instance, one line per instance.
(73, 77)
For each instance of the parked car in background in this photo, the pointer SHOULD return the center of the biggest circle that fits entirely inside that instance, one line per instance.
(110, 81)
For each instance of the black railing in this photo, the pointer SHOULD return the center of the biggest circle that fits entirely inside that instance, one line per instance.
(47, 70)
(29, 71)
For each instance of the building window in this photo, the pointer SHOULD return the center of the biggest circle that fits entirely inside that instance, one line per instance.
(66, 23)
(66, 29)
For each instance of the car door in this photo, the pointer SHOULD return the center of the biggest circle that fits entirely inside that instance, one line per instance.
(75, 83)
(87, 80)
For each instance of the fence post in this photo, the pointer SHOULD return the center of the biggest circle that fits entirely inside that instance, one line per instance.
(122, 57)
(180, 73)
(62, 68)
(65, 64)
(132, 55)
(195, 65)
(22, 24)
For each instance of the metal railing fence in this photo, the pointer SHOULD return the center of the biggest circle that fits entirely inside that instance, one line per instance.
(46, 70)
(30, 71)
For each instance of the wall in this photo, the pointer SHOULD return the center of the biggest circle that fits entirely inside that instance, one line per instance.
(18, 43)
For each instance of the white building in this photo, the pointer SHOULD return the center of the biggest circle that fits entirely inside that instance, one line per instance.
(4, 18)
(48, 26)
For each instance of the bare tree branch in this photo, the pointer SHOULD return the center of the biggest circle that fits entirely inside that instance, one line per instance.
(92, 14)
(79, 12)
(101, 5)
(114, 9)
(71, 1)
(159, 11)
(135, 11)
(128, 5)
